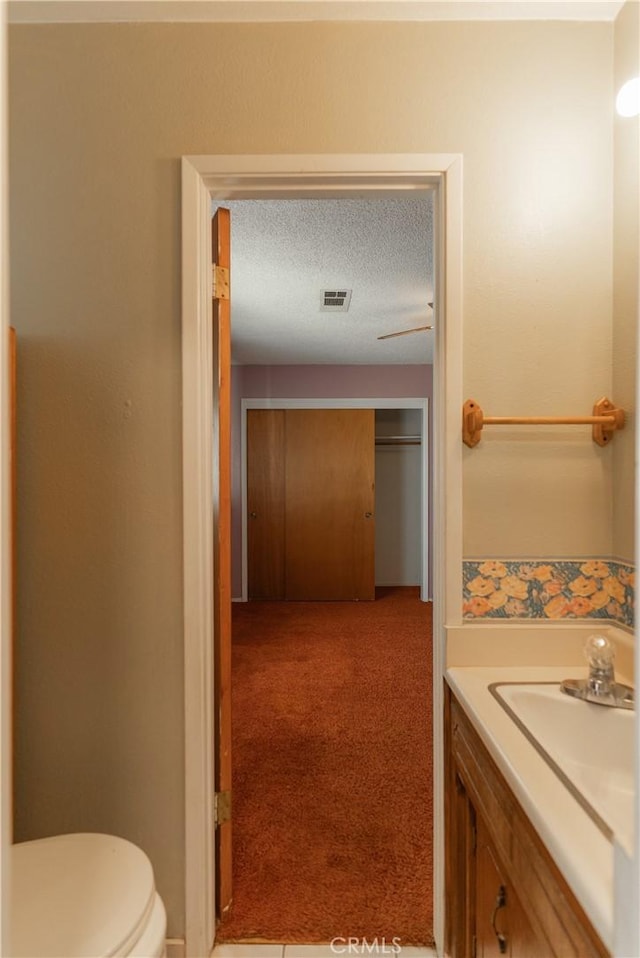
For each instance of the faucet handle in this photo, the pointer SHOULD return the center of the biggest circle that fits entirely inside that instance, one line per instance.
(599, 652)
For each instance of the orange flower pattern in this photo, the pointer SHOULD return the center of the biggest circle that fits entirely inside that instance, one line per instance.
(476, 606)
(481, 586)
(549, 589)
(596, 568)
(515, 587)
(492, 568)
(582, 586)
(557, 608)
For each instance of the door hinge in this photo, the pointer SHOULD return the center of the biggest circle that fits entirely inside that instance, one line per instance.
(219, 282)
(222, 808)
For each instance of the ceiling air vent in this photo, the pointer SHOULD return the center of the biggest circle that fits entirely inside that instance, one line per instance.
(335, 300)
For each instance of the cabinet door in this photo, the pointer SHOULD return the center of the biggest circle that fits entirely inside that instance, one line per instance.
(501, 924)
(490, 895)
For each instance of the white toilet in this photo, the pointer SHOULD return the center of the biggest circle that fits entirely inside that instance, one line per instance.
(84, 896)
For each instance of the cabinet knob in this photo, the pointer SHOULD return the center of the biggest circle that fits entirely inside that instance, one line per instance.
(368, 515)
(253, 515)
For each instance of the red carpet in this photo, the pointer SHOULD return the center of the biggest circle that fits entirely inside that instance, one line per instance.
(332, 792)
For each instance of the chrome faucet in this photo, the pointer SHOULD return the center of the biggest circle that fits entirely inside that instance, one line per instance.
(600, 687)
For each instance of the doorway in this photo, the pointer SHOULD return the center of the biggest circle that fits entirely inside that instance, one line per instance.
(323, 175)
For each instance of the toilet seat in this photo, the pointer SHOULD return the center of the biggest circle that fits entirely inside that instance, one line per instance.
(81, 896)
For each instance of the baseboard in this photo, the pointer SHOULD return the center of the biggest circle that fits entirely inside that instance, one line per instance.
(175, 948)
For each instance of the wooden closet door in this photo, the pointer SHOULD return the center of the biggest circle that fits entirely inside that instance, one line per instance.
(265, 503)
(330, 525)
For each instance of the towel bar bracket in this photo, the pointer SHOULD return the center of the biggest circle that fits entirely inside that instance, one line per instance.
(603, 432)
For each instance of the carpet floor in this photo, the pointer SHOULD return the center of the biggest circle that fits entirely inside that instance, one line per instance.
(332, 770)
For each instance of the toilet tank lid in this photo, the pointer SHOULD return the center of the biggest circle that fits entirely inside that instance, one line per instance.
(79, 895)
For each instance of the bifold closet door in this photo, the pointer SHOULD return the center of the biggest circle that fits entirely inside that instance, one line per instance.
(310, 503)
(330, 523)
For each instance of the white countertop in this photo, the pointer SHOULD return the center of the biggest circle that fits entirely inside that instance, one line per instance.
(580, 850)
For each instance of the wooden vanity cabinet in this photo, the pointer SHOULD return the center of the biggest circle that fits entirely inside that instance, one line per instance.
(504, 893)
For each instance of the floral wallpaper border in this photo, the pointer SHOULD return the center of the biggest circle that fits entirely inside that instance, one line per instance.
(549, 589)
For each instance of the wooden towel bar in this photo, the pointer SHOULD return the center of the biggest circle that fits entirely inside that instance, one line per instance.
(605, 419)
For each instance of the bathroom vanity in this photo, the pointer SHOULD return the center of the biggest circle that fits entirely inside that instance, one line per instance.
(529, 870)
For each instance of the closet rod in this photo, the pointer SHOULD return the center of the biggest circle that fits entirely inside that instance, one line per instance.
(605, 420)
(398, 440)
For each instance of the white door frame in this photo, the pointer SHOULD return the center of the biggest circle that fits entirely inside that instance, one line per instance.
(6, 585)
(269, 403)
(300, 176)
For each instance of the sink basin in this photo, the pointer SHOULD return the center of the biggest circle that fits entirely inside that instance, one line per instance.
(590, 748)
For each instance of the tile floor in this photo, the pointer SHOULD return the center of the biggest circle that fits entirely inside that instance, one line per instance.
(365, 950)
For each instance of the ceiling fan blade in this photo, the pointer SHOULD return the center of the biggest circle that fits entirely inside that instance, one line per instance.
(405, 332)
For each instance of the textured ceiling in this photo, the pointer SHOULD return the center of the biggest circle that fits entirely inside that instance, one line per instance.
(285, 252)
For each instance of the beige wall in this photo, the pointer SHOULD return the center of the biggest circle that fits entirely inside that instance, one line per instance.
(99, 117)
(626, 256)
